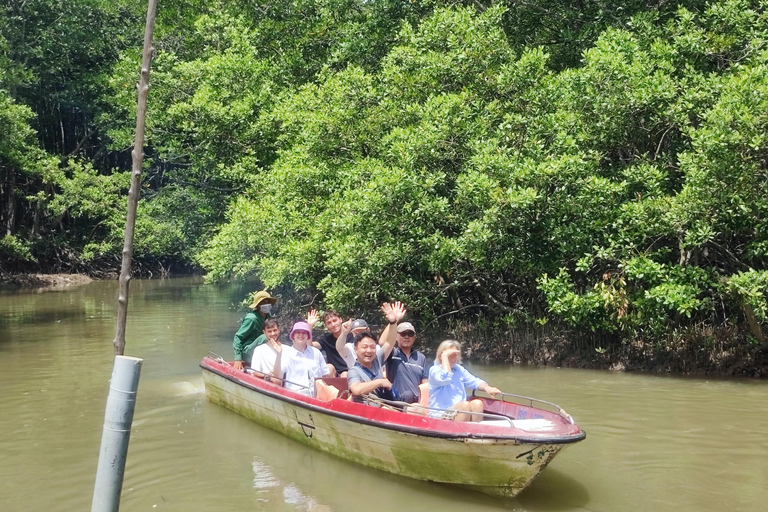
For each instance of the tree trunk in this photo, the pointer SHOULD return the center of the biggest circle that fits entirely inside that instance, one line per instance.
(754, 326)
(134, 191)
(9, 198)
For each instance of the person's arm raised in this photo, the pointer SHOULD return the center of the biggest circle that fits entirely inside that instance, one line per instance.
(393, 312)
(341, 341)
(276, 370)
(312, 318)
(445, 358)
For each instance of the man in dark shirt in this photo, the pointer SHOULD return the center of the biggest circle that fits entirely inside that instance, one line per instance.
(327, 342)
(407, 368)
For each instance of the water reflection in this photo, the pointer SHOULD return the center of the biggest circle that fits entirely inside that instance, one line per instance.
(270, 488)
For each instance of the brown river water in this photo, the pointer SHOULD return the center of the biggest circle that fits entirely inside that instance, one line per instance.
(653, 442)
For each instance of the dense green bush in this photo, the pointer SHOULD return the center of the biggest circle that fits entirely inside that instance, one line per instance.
(599, 164)
(469, 178)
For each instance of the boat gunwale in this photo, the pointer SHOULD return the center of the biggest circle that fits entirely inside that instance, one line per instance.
(397, 427)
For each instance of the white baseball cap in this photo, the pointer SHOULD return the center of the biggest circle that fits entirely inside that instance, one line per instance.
(405, 326)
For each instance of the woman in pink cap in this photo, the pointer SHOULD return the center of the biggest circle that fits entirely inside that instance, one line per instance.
(302, 363)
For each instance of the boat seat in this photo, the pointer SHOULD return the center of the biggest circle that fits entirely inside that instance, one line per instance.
(419, 408)
(424, 395)
(340, 384)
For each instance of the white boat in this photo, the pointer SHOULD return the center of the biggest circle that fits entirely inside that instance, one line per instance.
(500, 455)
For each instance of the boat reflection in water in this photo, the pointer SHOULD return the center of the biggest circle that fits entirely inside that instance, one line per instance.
(500, 456)
(270, 490)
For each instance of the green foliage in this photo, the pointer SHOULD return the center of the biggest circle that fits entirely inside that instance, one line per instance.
(18, 148)
(95, 206)
(54, 57)
(462, 175)
(569, 28)
(641, 295)
(58, 53)
(751, 288)
(456, 156)
(168, 227)
(725, 170)
(587, 310)
(14, 249)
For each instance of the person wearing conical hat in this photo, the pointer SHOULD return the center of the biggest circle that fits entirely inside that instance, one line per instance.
(251, 332)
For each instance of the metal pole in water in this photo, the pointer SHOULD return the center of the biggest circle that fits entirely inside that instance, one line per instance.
(117, 431)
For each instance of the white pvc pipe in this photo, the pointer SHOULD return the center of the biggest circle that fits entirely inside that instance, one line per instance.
(117, 431)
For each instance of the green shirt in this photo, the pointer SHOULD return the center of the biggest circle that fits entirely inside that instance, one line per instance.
(251, 328)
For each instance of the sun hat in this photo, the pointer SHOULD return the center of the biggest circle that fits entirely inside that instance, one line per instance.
(300, 326)
(359, 324)
(405, 326)
(262, 296)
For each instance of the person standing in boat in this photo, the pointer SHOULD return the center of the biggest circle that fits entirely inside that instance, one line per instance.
(251, 331)
(407, 368)
(302, 364)
(266, 357)
(448, 381)
(366, 375)
(327, 342)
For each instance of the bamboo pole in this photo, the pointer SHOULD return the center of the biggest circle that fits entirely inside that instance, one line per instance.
(133, 193)
(118, 416)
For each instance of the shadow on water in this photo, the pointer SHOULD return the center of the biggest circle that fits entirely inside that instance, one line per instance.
(554, 490)
(22, 318)
(551, 491)
(169, 290)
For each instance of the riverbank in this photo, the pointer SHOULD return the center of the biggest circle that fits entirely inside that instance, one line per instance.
(54, 281)
(704, 351)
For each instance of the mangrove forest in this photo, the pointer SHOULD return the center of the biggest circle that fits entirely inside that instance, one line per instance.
(596, 169)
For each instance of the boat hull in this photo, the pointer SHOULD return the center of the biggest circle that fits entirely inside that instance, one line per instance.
(502, 467)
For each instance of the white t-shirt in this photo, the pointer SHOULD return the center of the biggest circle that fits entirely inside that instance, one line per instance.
(302, 368)
(351, 357)
(264, 357)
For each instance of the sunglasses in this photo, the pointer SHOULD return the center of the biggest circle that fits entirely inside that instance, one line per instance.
(408, 333)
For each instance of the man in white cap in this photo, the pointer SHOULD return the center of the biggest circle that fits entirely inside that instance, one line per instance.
(407, 368)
